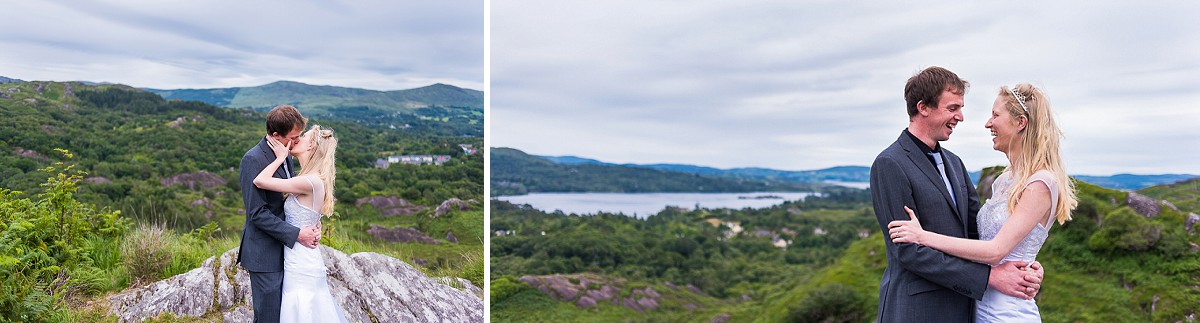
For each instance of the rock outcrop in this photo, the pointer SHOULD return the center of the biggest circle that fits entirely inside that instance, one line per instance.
(370, 287)
(97, 180)
(587, 290)
(400, 234)
(1190, 222)
(450, 205)
(29, 153)
(201, 179)
(390, 205)
(1143, 205)
(985, 185)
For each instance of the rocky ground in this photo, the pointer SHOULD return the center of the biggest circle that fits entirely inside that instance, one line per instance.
(370, 287)
(589, 290)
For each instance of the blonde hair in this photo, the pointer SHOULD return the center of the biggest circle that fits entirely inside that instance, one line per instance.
(1039, 147)
(321, 164)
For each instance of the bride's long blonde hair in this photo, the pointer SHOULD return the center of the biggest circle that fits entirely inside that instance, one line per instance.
(1039, 148)
(321, 164)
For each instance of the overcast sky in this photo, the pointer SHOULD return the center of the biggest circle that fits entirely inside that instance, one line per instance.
(372, 44)
(806, 85)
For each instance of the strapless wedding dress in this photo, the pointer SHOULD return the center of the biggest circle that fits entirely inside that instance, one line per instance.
(306, 295)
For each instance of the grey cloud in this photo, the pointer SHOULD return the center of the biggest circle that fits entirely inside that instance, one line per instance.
(382, 45)
(809, 85)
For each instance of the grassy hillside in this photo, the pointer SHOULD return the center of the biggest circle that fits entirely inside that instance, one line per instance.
(171, 167)
(1183, 194)
(728, 255)
(1107, 265)
(514, 173)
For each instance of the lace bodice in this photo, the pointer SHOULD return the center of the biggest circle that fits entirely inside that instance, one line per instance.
(301, 215)
(994, 213)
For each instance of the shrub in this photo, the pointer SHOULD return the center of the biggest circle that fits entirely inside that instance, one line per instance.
(146, 253)
(833, 303)
(473, 271)
(1124, 229)
(505, 287)
(44, 257)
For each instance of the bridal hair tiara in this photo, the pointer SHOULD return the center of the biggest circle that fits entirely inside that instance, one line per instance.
(1020, 99)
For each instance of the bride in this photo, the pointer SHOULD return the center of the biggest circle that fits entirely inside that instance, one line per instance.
(306, 296)
(1031, 193)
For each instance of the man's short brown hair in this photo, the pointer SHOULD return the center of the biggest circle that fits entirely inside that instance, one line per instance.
(928, 86)
(282, 119)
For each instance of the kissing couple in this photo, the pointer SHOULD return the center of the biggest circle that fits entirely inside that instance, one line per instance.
(280, 237)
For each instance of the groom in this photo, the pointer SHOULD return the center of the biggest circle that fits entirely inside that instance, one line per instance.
(265, 233)
(921, 284)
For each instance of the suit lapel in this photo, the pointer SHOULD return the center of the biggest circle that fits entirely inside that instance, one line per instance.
(957, 183)
(917, 157)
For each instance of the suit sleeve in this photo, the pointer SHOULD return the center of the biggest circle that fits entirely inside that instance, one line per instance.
(973, 204)
(255, 201)
(890, 192)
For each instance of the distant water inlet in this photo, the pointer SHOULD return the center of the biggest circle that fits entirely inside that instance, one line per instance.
(644, 204)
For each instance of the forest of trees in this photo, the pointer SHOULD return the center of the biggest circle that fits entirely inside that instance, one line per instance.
(135, 139)
(678, 245)
(1134, 267)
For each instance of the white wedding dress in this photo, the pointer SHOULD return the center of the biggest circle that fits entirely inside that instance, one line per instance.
(996, 306)
(306, 296)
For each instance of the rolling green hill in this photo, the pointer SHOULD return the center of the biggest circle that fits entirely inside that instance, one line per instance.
(460, 109)
(515, 172)
(320, 97)
(172, 165)
(1183, 194)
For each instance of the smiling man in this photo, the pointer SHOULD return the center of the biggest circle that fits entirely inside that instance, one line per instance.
(921, 284)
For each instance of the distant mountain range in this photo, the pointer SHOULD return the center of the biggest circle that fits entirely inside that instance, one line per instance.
(515, 172)
(446, 109)
(839, 173)
(1131, 182)
(435, 109)
(322, 98)
(861, 174)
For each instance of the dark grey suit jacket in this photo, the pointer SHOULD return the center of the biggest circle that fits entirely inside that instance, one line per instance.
(922, 284)
(265, 232)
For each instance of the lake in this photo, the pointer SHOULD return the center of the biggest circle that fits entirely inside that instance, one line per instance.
(644, 204)
(858, 185)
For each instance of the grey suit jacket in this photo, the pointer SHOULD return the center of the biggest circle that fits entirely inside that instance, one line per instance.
(265, 232)
(921, 284)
